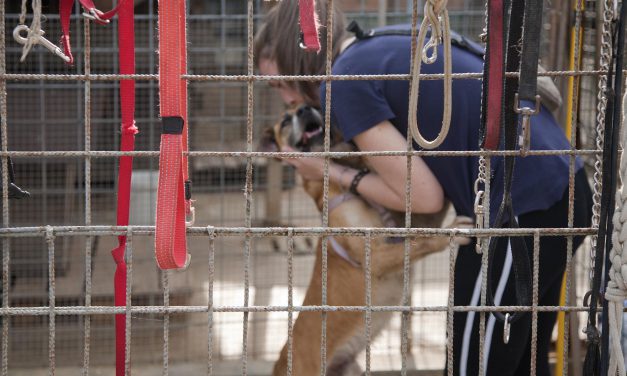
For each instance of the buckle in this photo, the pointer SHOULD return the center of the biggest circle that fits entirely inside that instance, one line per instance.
(524, 140)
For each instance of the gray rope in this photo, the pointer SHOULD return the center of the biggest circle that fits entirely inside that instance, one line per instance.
(34, 32)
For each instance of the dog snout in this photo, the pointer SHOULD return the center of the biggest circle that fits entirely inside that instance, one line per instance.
(303, 110)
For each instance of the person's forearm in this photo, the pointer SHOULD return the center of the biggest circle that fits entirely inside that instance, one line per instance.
(371, 187)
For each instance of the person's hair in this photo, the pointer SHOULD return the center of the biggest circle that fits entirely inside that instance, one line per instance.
(278, 40)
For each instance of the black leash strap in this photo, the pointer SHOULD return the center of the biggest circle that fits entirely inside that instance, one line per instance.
(596, 361)
(505, 217)
(617, 93)
(527, 87)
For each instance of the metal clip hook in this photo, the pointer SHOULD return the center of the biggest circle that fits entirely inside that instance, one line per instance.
(39, 39)
(432, 45)
(96, 16)
(479, 217)
(506, 329)
(524, 142)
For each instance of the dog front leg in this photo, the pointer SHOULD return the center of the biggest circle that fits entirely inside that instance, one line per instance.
(345, 287)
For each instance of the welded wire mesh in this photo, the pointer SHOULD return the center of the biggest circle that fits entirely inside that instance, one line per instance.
(232, 267)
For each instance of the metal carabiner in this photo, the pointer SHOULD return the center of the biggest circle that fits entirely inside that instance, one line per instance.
(524, 141)
(479, 218)
(38, 39)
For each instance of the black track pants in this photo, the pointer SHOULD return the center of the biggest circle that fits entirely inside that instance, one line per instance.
(515, 357)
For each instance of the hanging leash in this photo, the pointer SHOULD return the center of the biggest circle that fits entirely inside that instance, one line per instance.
(309, 24)
(174, 189)
(596, 355)
(616, 291)
(33, 33)
(512, 92)
(493, 77)
(436, 19)
(30, 36)
(126, 56)
(612, 239)
(528, 84)
(91, 12)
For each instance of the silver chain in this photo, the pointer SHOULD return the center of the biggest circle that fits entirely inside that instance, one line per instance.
(604, 63)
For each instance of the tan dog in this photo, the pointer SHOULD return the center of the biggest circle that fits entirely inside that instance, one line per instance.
(302, 129)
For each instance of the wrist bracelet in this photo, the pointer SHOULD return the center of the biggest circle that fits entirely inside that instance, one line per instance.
(356, 179)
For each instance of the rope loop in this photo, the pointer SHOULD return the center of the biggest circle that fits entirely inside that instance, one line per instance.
(34, 31)
(436, 18)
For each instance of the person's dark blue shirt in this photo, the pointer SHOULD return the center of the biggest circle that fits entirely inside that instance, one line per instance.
(356, 106)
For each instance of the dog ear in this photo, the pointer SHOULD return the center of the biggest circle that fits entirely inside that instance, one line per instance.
(267, 142)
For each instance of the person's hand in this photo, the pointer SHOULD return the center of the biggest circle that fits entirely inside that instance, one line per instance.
(308, 168)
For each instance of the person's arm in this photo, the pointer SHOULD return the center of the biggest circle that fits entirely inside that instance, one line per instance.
(386, 184)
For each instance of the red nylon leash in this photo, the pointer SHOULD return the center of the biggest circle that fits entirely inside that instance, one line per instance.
(495, 61)
(309, 25)
(126, 40)
(65, 11)
(173, 199)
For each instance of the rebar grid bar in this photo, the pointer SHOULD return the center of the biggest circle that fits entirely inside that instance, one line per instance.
(128, 259)
(89, 239)
(248, 187)
(111, 310)
(253, 77)
(51, 303)
(5, 194)
(406, 295)
(571, 188)
(325, 184)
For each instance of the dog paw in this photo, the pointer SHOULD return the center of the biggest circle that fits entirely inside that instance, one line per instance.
(463, 222)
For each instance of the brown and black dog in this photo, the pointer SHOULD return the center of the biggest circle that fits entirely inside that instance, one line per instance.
(303, 130)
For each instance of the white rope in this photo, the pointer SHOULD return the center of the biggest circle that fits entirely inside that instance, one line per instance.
(616, 291)
(35, 31)
(436, 17)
